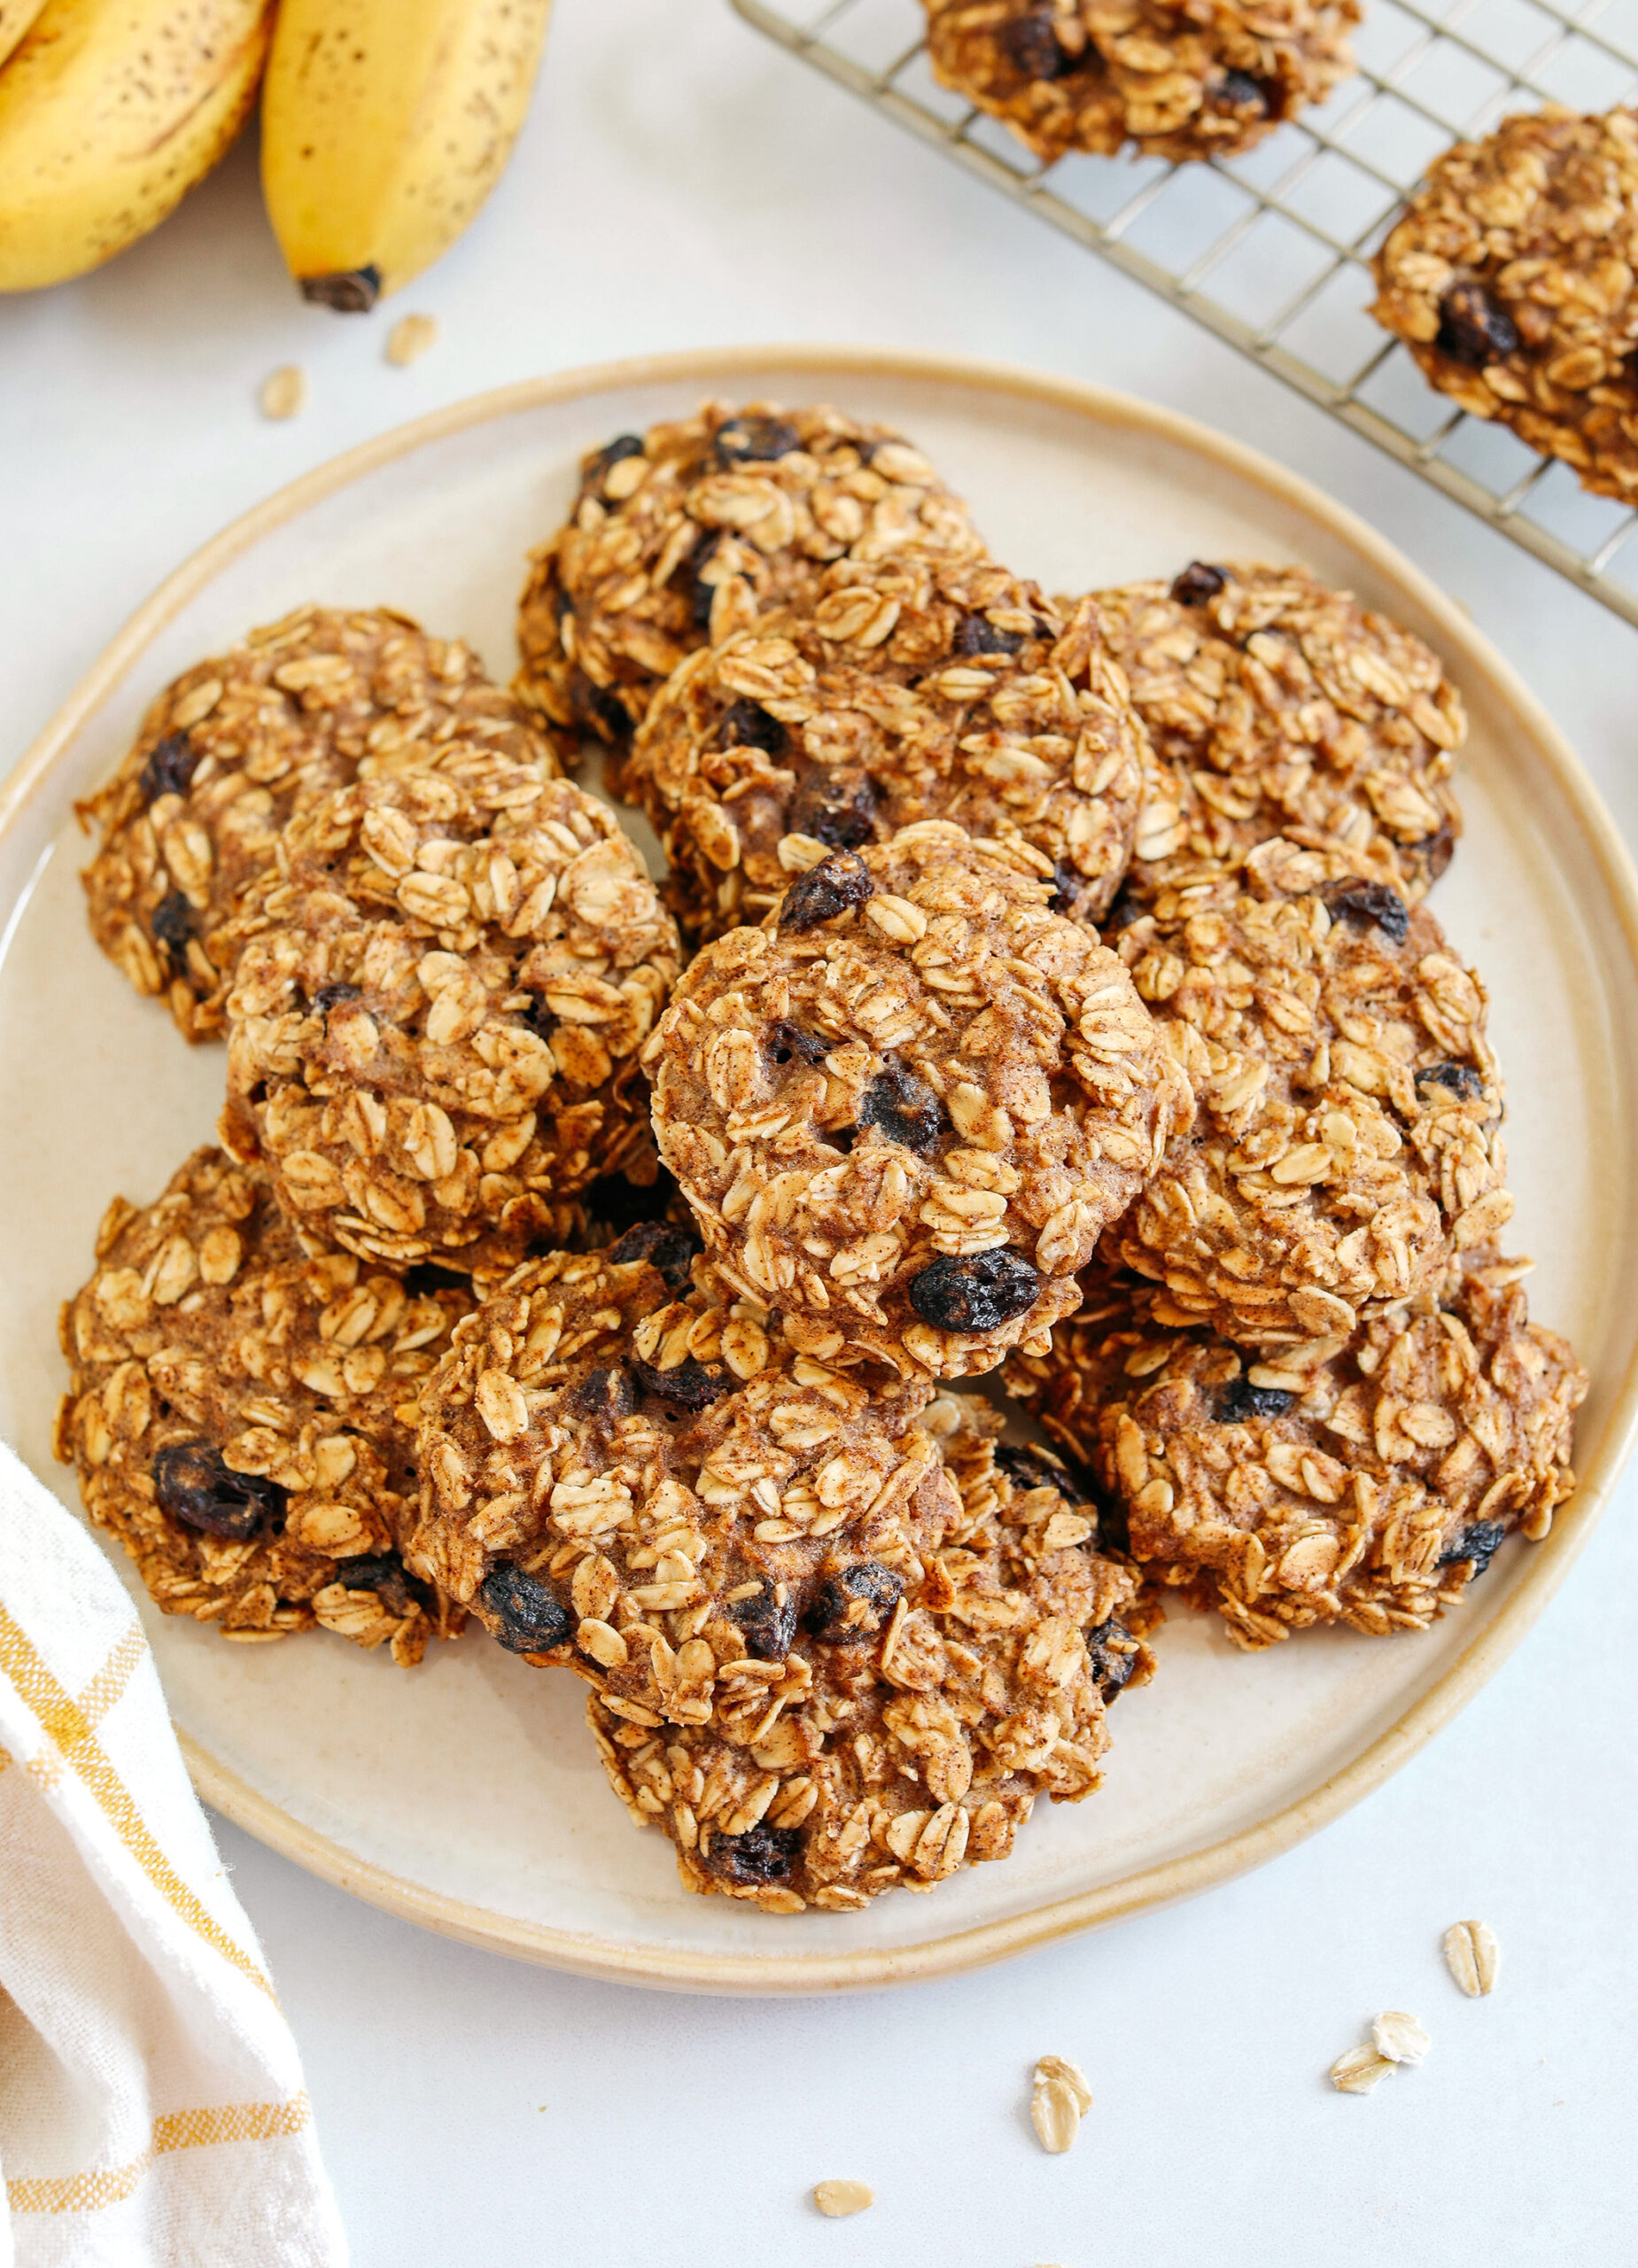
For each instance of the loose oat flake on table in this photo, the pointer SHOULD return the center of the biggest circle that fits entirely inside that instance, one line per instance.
(236, 1412)
(1203, 79)
(1400, 2037)
(1510, 278)
(236, 746)
(911, 1723)
(1472, 1955)
(1359, 2071)
(1349, 1128)
(904, 1108)
(1060, 2099)
(682, 535)
(1278, 706)
(1366, 1482)
(837, 2199)
(438, 1007)
(923, 688)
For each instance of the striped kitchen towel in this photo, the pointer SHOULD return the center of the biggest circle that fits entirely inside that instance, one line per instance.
(151, 2108)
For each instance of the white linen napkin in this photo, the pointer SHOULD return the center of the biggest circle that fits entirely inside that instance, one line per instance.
(151, 2108)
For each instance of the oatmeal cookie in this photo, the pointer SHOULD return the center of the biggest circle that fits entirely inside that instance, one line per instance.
(904, 1108)
(923, 689)
(1202, 79)
(898, 1746)
(234, 1414)
(436, 1012)
(1349, 1103)
(629, 1472)
(1510, 278)
(682, 535)
(1277, 706)
(239, 744)
(1367, 1483)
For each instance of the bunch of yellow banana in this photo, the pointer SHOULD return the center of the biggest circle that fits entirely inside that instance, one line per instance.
(385, 124)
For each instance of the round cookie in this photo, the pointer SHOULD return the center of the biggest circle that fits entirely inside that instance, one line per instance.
(1200, 81)
(923, 689)
(437, 1010)
(637, 1476)
(913, 1742)
(1510, 278)
(226, 755)
(1349, 1106)
(1366, 1484)
(1277, 706)
(904, 1108)
(234, 1414)
(682, 535)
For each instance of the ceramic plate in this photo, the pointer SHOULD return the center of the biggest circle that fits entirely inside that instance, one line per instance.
(466, 1794)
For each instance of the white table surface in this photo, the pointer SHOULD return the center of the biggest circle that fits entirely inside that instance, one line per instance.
(680, 183)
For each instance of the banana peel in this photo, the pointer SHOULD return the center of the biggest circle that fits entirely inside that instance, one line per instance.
(15, 18)
(110, 111)
(385, 124)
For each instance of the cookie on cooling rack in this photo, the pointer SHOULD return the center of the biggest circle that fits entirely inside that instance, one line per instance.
(1510, 278)
(1170, 81)
(234, 1413)
(683, 534)
(236, 746)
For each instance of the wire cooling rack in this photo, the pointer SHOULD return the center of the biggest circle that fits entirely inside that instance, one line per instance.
(1270, 250)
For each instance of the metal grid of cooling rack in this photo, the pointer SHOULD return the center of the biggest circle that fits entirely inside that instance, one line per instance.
(1270, 250)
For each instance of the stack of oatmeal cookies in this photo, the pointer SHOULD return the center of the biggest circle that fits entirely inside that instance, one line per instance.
(1039, 988)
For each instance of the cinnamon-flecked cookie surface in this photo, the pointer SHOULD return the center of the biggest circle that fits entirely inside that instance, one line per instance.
(1275, 705)
(904, 1108)
(1207, 79)
(1348, 1137)
(234, 1413)
(682, 535)
(922, 689)
(1367, 1483)
(1510, 278)
(915, 1720)
(437, 1009)
(237, 745)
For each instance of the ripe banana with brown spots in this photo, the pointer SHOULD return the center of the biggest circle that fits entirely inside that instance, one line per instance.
(110, 111)
(15, 18)
(384, 125)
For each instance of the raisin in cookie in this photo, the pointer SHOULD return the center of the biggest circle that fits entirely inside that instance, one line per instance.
(904, 1108)
(1277, 706)
(923, 689)
(235, 746)
(685, 533)
(635, 1475)
(437, 1012)
(1510, 278)
(1366, 1484)
(1349, 1105)
(910, 1727)
(1207, 79)
(233, 1413)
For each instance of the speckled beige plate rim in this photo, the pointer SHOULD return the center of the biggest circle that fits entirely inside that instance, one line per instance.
(939, 1955)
